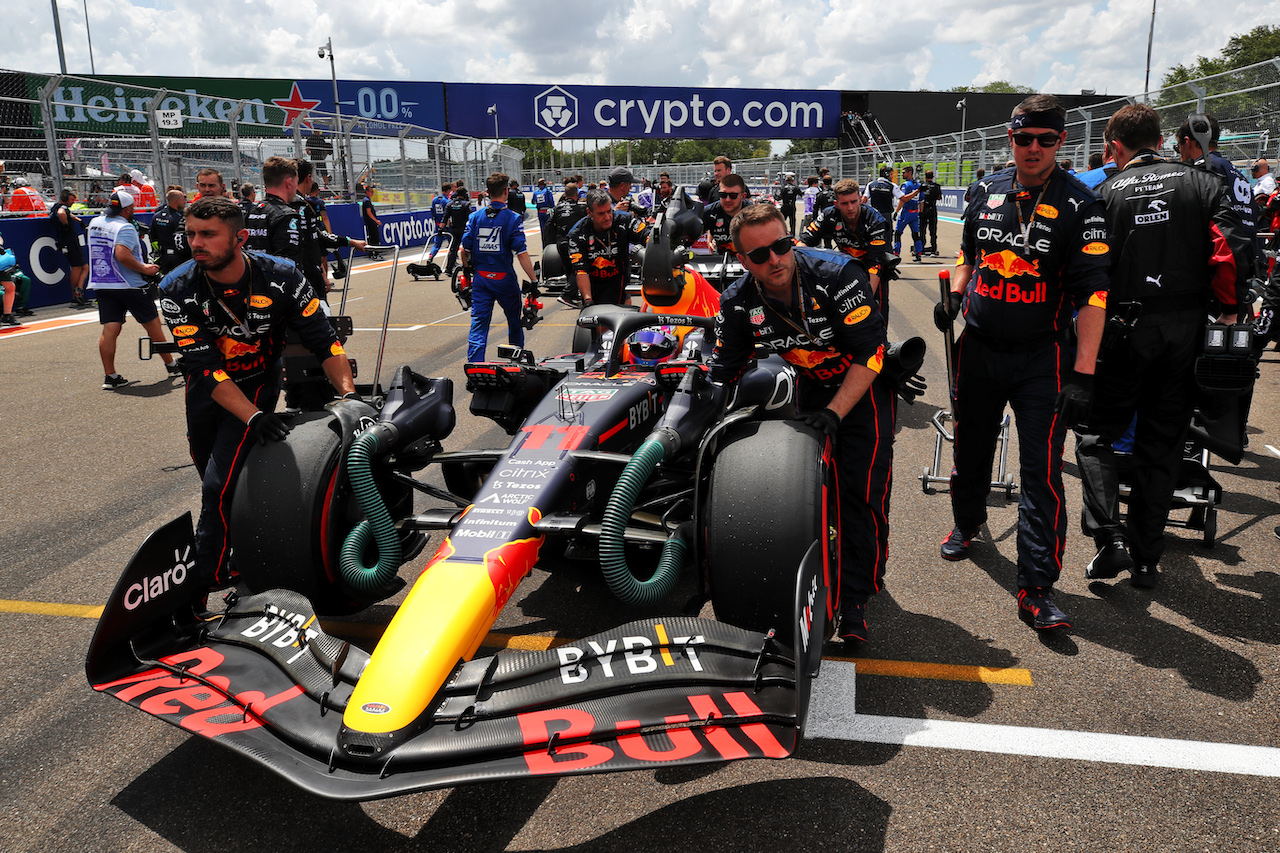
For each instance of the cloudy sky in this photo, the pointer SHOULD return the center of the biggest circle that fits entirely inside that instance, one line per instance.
(1051, 45)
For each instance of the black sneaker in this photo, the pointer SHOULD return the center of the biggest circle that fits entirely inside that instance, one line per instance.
(1111, 559)
(1145, 575)
(111, 383)
(173, 369)
(23, 312)
(956, 545)
(9, 320)
(853, 623)
(572, 303)
(1038, 610)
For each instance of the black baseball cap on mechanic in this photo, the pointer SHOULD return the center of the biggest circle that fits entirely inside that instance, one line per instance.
(621, 175)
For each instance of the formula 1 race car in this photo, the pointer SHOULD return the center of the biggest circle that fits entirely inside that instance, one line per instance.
(648, 470)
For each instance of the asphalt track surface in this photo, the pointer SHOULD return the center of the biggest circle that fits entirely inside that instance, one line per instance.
(1151, 725)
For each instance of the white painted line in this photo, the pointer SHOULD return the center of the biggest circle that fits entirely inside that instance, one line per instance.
(68, 322)
(1272, 449)
(390, 328)
(831, 715)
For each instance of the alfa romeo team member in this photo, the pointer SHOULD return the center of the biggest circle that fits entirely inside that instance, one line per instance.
(492, 237)
(816, 310)
(228, 310)
(1034, 246)
(600, 250)
(859, 231)
(718, 216)
(1171, 256)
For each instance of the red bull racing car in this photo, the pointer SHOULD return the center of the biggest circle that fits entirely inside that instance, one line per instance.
(647, 470)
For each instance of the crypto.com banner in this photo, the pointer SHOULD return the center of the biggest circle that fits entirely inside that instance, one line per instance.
(639, 112)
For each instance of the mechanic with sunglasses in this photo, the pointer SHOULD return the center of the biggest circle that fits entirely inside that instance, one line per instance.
(1033, 248)
(816, 310)
(718, 216)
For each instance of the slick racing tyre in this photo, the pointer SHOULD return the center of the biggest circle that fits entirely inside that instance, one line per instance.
(290, 515)
(772, 493)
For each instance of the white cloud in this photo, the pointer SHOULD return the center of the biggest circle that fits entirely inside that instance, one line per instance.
(1046, 44)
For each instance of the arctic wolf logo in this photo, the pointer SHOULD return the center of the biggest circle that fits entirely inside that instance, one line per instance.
(555, 111)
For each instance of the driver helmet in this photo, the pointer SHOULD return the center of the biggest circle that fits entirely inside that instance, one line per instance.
(651, 346)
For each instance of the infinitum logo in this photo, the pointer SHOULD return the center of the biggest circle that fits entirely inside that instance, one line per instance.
(555, 111)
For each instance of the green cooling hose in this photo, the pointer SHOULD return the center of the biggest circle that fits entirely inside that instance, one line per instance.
(378, 525)
(613, 557)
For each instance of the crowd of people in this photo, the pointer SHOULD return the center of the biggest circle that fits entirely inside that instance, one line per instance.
(1052, 269)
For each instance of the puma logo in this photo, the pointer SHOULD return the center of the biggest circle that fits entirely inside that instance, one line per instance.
(1156, 280)
(1075, 203)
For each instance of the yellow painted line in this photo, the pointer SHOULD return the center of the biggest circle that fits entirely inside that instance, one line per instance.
(516, 642)
(940, 671)
(44, 608)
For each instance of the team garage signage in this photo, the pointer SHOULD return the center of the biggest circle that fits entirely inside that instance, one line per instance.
(639, 112)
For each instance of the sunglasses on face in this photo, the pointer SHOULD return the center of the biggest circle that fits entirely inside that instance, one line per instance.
(729, 195)
(779, 247)
(1046, 140)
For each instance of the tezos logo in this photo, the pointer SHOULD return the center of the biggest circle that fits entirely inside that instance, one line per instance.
(555, 111)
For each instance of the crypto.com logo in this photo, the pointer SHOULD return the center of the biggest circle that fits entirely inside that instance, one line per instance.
(555, 111)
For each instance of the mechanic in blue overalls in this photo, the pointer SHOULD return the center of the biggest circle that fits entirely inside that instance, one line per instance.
(545, 201)
(438, 204)
(493, 235)
(908, 211)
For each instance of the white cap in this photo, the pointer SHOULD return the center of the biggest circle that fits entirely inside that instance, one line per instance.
(136, 174)
(123, 198)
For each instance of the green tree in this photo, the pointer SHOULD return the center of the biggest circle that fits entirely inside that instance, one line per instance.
(997, 86)
(811, 146)
(1250, 111)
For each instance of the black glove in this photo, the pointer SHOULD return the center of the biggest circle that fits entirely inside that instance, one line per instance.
(265, 425)
(1075, 399)
(910, 388)
(353, 395)
(945, 314)
(823, 420)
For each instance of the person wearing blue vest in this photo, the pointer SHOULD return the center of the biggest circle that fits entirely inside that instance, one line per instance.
(908, 211)
(438, 204)
(493, 236)
(544, 199)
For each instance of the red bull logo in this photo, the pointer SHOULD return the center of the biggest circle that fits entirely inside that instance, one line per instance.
(508, 563)
(231, 348)
(808, 358)
(1009, 264)
(603, 264)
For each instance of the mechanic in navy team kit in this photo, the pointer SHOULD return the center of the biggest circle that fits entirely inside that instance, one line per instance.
(168, 232)
(372, 224)
(718, 216)
(787, 196)
(544, 201)
(860, 232)
(568, 212)
(228, 311)
(908, 211)
(456, 214)
(1034, 246)
(600, 250)
(930, 195)
(493, 236)
(882, 194)
(817, 311)
(1177, 241)
(438, 205)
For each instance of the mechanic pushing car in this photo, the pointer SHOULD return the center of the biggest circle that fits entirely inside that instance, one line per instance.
(228, 310)
(817, 311)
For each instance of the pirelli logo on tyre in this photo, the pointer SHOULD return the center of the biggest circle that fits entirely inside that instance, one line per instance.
(311, 308)
(185, 331)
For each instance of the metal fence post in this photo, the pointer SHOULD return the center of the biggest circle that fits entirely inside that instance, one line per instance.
(50, 133)
(439, 172)
(162, 173)
(404, 166)
(233, 122)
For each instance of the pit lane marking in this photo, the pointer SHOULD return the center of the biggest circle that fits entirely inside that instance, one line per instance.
(37, 326)
(831, 716)
(48, 608)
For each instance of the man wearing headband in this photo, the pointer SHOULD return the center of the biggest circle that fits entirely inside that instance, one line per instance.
(1034, 246)
(816, 310)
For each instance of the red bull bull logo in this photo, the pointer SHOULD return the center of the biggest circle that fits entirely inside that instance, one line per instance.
(231, 348)
(808, 358)
(1005, 288)
(603, 264)
(508, 563)
(1009, 264)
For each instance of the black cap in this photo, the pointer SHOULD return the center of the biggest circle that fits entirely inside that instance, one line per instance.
(620, 175)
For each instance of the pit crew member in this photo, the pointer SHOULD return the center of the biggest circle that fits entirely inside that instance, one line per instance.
(1034, 245)
(438, 205)
(568, 212)
(456, 214)
(882, 193)
(68, 242)
(492, 237)
(229, 310)
(1177, 240)
(859, 231)
(600, 250)
(816, 310)
(168, 232)
(718, 215)
(930, 195)
(908, 211)
(116, 270)
(544, 200)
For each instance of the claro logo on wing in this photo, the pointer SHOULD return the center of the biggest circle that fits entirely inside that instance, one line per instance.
(151, 588)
